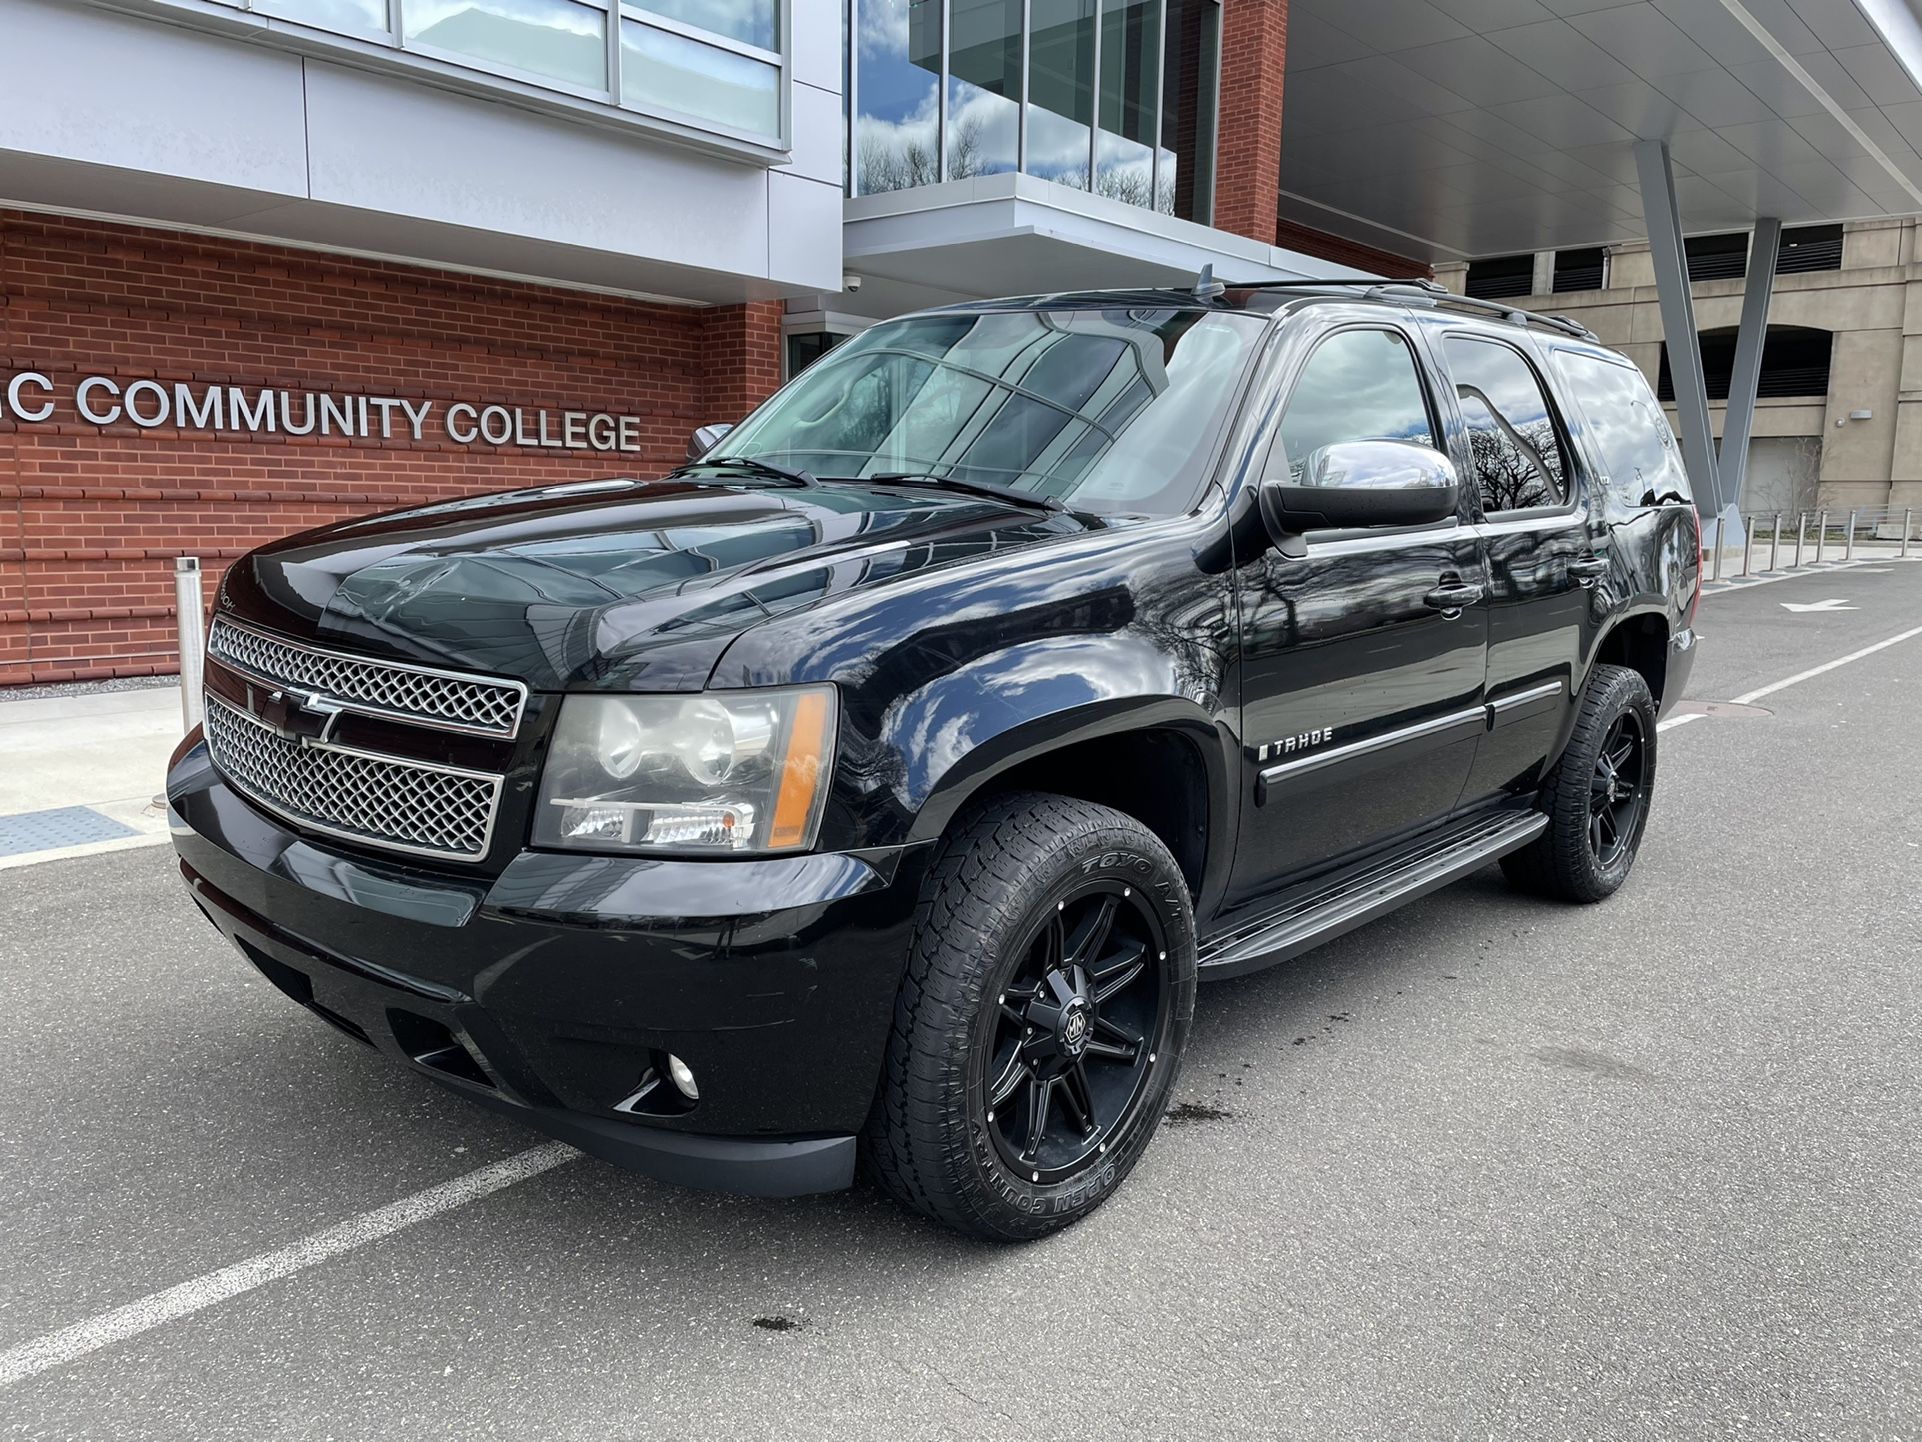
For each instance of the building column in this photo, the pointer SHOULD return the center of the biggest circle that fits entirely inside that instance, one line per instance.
(1664, 222)
(1746, 378)
(1254, 53)
(740, 358)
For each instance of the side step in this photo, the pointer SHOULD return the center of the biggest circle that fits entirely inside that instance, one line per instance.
(1326, 910)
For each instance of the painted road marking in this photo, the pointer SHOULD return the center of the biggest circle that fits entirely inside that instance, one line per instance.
(1751, 697)
(58, 1348)
(1834, 603)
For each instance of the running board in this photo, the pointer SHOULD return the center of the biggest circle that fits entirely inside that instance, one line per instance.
(1358, 897)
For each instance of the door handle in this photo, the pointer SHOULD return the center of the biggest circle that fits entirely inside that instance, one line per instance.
(1450, 597)
(1589, 570)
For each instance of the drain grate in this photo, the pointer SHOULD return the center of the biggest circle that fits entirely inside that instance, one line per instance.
(62, 826)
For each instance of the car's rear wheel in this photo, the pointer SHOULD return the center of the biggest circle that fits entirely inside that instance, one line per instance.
(1041, 1021)
(1597, 797)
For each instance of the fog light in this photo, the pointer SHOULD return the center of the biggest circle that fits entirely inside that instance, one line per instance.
(682, 1076)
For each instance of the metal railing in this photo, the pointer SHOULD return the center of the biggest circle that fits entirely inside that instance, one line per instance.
(1834, 534)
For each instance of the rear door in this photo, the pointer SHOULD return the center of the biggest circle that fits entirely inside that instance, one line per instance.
(1542, 550)
(1362, 659)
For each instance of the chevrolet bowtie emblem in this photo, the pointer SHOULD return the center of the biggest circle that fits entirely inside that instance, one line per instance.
(295, 715)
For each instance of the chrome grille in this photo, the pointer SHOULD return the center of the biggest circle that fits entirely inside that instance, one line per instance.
(381, 800)
(443, 699)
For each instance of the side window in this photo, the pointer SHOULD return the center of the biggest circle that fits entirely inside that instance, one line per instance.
(1637, 448)
(1359, 385)
(1518, 455)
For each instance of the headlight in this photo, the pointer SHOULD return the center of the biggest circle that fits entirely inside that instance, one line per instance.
(720, 771)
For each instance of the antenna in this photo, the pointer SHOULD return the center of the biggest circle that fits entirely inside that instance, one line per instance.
(1206, 286)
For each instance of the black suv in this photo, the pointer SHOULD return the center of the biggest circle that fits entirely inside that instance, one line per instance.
(882, 781)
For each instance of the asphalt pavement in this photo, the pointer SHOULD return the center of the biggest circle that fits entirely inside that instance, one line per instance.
(1489, 1168)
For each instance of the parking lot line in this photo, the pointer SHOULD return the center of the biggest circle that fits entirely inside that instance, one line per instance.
(57, 1348)
(1748, 698)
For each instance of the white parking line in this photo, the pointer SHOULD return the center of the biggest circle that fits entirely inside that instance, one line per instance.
(1749, 698)
(57, 1348)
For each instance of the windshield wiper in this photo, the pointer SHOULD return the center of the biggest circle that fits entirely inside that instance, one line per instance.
(754, 465)
(1031, 499)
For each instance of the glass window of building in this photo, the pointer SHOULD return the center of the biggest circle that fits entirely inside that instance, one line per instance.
(1061, 90)
(719, 65)
(1130, 100)
(1191, 66)
(984, 87)
(897, 72)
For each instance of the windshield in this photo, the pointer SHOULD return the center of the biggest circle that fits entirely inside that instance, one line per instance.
(1109, 411)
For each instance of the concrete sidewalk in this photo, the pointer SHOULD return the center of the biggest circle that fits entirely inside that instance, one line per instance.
(79, 773)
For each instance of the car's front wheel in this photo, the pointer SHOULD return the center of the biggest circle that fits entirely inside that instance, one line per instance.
(1041, 1021)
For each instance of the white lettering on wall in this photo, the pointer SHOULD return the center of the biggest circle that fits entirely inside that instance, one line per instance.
(32, 398)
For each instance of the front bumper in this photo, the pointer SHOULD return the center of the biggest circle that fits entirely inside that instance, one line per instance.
(551, 991)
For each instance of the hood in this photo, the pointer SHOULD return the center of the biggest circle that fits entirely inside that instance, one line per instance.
(615, 584)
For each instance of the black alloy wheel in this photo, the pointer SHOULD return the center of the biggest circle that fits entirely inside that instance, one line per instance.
(1043, 1011)
(1075, 1031)
(1597, 795)
(1618, 792)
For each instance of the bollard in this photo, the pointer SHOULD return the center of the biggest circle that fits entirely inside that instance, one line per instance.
(1848, 547)
(1821, 534)
(190, 607)
(1715, 573)
(1775, 545)
(1905, 533)
(1748, 548)
(1801, 535)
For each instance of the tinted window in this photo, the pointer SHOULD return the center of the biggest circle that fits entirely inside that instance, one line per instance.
(1113, 411)
(1518, 455)
(1359, 385)
(1629, 430)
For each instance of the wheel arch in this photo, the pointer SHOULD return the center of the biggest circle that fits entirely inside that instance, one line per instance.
(1640, 641)
(1161, 760)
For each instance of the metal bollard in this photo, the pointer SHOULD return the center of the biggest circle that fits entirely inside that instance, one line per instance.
(1721, 528)
(1775, 545)
(190, 608)
(1821, 534)
(1848, 547)
(1905, 533)
(1748, 548)
(1801, 535)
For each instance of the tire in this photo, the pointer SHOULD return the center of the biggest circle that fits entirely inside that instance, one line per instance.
(1596, 796)
(1015, 894)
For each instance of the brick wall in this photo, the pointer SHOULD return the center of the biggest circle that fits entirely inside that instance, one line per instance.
(91, 516)
(1319, 243)
(1254, 54)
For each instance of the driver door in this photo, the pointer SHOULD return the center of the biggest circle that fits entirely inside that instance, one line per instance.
(1363, 660)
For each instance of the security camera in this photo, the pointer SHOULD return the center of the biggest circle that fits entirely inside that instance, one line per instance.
(850, 283)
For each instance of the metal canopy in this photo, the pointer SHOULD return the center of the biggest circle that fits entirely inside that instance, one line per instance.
(1448, 129)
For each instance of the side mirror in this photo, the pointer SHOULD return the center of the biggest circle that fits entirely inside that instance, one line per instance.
(706, 438)
(1362, 483)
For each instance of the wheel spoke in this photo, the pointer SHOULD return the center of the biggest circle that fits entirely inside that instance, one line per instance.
(1618, 756)
(1595, 830)
(1009, 1082)
(1079, 1100)
(1119, 970)
(1090, 938)
(1606, 819)
(1040, 1089)
(1112, 1042)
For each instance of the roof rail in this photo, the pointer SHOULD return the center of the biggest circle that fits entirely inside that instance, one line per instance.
(1421, 291)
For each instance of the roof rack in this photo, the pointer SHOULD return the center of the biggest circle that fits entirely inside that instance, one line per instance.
(1431, 293)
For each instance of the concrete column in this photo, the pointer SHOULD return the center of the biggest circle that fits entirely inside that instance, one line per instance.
(1664, 223)
(1732, 459)
(1544, 281)
(1254, 54)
